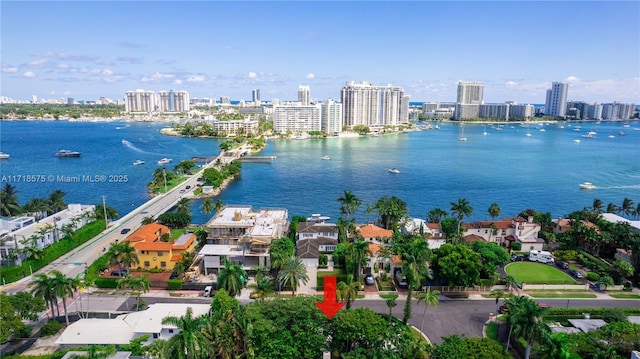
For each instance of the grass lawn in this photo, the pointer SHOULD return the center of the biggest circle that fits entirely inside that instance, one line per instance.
(625, 296)
(388, 296)
(567, 295)
(537, 273)
(176, 233)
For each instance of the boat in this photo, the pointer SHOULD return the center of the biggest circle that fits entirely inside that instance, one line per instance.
(164, 161)
(394, 170)
(588, 135)
(621, 133)
(528, 132)
(611, 136)
(325, 158)
(587, 185)
(67, 153)
(576, 141)
(485, 131)
(462, 137)
(138, 162)
(4, 156)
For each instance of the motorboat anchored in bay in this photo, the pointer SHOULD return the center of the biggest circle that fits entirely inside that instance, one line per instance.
(138, 162)
(164, 161)
(67, 153)
(394, 170)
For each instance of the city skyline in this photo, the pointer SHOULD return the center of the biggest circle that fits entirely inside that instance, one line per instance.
(215, 49)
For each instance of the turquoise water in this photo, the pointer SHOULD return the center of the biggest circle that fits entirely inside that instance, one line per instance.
(518, 172)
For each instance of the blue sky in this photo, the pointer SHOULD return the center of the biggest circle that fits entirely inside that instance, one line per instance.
(86, 50)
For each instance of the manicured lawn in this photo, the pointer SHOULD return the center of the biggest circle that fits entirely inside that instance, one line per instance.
(388, 296)
(568, 295)
(176, 233)
(625, 296)
(537, 273)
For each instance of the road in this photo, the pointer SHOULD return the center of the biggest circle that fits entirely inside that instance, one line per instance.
(462, 317)
(76, 261)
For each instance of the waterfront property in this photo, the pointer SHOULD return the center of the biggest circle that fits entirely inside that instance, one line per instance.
(505, 232)
(125, 327)
(153, 252)
(315, 236)
(241, 235)
(29, 231)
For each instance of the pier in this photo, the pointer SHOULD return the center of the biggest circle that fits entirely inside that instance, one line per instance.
(257, 159)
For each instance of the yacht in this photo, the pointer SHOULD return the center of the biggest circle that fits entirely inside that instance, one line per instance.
(325, 158)
(485, 131)
(164, 161)
(587, 185)
(621, 133)
(67, 153)
(138, 162)
(394, 170)
(611, 136)
(576, 141)
(4, 156)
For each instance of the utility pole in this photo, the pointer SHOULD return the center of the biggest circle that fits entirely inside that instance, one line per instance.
(164, 174)
(104, 208)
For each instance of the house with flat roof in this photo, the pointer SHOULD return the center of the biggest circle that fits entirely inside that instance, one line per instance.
(125, 327)
(241, 235)
(153, 252)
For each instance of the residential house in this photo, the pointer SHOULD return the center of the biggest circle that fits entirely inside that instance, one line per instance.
(372, 233)
(505, 231)
(153, 252)
(241, 235)
(125, 327)
(314, 237)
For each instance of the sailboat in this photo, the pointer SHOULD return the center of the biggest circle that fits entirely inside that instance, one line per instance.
(528, 132)
(462, 137)
(485, 131)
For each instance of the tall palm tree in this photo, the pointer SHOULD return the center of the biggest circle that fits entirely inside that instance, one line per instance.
(391, 302)
(612, 208)
(349, 203)
(139, 285)
(190, 341)
(436, 215)
(430, 297)
(461, 209)
(42, 286)
(56, 201)
(524, 316)
(348, 291)
(360, 250)
(9, 201)
(293, 272)
(494, 210)
(597, 206)
(207, 206)
(218, 206)
(122, 254)
(627, 207)
(64, 287)
(415, 267)
(183, 206)
(231, 277)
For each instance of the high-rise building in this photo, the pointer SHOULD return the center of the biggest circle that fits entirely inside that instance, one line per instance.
(373, 106)
(140, 101)
(617, 111)
(225, 100)
(173, 101)
(331, 117)
(299, 119)
(470, 93)
(304, 94)
(520, 112)
(255, 96)
(556, 103)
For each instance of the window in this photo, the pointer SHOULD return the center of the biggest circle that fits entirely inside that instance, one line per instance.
(160, 254)
(155, 335)
(170, 331)
(146, 263)
(163, 264)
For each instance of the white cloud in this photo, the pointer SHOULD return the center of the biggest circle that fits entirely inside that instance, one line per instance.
(107, 72)
(196, 78)
(177, 82)
(156, 77)
(511, 83)
(38, 63)
(572, 79)
(10, 69)
(29, 74)
(252, 75)
(310, 76)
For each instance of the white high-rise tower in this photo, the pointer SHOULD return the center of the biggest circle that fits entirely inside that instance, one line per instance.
(304, 95)
(556, 104)
(470, 93)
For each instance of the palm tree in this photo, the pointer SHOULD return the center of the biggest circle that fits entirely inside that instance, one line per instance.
(147, 220)
(348, 291)
(627, 206)
(349, 203)
(524, 316)
(42, 286)
(612, 208)
(122, 254)
(597, 206)
(430, 298)
(231, 277)
(415, 267)
(56, 201)
(494, 210)
(461, 209)
(9, 201)
(292, 273)
(360, 251)
(218, 206)
(190, 341)
(262, 288)
(391, 302)
(67, 230)
(207, 206)
(510, 282)
(183, 206)
(64, 287)
(139, 285)
(436, 215)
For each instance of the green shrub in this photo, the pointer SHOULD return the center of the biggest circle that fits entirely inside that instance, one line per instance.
(566, 255)
(594, 277)
(516, 246)
(111, 283)
(50, 328)
(613, 315)
(155, 270)
(174, 284)
(22, 331)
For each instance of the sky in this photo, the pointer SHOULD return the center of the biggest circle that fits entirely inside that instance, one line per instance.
(92, 49)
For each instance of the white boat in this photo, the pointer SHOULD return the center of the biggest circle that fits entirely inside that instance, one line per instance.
(485, 131)
(543, 130)
(588, 135)
(325, 158)
(394, 170)
(67, 153)
(587, 185)
(164, 161)
(611, 136)
(138, 162)
(621, 133)
(462, 137)
(576, 141)
(4, 156)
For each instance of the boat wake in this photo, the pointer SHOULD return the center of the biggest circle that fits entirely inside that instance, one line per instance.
(131, 146)
(633, 186)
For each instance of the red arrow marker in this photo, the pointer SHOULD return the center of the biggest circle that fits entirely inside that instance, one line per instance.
(330, 306)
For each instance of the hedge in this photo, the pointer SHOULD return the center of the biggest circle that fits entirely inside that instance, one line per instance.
(50, 328)
(51, 253)
(111, 283)
(174, 284)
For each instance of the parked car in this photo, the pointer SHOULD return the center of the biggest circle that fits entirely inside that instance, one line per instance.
(369, 280)
(562, 264)
(119, 273)
(503, 309)
(207, 291)
(576, 274)
(517, 257)
(187, 187)
(125, 230)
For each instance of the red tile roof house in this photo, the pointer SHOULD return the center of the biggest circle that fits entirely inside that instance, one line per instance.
(505, 231)
(372, 233)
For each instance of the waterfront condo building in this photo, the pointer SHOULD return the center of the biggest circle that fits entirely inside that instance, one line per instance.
(299, 119)
(140, 101)
(617, 111)
(520, 112)
(304, 95)
(373, 106)
(255, 96)
(174, 101)
(556, 103)
(331, 117)
(470, 93)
